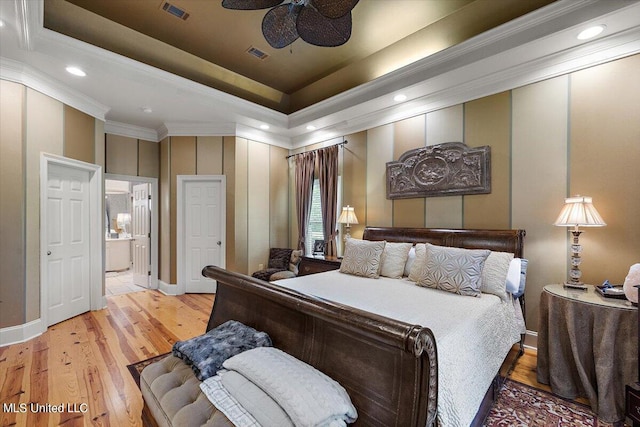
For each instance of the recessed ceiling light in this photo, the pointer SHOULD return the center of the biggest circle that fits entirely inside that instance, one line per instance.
(76, 71)
(264, 127)
(400, 97)
(591, 32)
(1, 23)
(311, 127)
(147, 110)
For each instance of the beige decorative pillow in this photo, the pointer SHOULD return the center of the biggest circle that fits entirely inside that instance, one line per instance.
(393, 259)
(418, 262)
(453, 270)
(494, 274)
(362, 258)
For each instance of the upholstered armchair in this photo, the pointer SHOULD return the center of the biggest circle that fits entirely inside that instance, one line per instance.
(283, 264)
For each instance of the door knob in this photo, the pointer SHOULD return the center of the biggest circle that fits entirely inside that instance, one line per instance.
(219, 243)
(48, 252)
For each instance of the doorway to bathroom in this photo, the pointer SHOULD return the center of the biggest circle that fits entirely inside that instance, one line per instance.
(131, 234)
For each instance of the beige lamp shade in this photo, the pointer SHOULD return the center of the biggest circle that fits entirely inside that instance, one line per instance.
(579, 211)
(348, 216)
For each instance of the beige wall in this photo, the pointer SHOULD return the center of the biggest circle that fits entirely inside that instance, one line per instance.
(32, 123)
(573, 134)
(257, 196)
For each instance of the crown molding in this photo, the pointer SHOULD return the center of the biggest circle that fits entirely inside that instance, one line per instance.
(131, 131)
(24, 74)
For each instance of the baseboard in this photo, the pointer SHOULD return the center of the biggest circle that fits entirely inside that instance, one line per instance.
(21, 333)
(531, 340)
(167, 289)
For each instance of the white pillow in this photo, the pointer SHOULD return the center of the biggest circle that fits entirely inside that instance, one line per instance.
(415, 268)
(411, 257)
(494, 274)
(454, 270)
(513, 276)
(362, 258)
(394, 258)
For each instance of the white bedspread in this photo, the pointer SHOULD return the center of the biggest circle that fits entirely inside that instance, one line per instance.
(473, 335)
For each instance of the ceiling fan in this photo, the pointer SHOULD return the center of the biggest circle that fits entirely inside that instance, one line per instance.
(318, 22)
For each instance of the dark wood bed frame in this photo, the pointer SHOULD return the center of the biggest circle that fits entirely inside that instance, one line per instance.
(388, 367)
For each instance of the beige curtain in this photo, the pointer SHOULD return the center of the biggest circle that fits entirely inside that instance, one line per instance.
(305, 164)
(328, 179)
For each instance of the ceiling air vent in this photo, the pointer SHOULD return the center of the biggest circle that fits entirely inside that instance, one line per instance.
(257, 53)
(174, 10)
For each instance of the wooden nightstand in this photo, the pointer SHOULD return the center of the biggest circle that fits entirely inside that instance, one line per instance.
(312, 265)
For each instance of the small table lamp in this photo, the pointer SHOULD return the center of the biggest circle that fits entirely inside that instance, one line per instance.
(348, 217)
(578, 211)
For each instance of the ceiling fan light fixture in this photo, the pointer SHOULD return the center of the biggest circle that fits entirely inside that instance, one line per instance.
(324, 23)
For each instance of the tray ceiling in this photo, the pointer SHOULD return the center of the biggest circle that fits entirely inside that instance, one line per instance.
(210, 46)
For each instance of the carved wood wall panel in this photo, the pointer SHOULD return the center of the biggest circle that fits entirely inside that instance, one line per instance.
(447, 169)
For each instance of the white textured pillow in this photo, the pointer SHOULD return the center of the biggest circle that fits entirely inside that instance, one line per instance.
(394, 257)
(411, 257)
(513, 276)
(362, 258)
(453, 270)
(494, 274)
(416, 266)
(254, 400)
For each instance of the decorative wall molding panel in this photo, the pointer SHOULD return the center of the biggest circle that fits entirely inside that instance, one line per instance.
(447, 169)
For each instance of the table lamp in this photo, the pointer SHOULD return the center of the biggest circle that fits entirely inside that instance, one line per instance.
(578, 211)
(348, 217)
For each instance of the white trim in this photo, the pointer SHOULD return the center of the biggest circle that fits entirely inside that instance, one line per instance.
(167, 289)
(96, 233)
(531, 340)
(131, 131)
(154, 228)
(21, 333)
(182, 180)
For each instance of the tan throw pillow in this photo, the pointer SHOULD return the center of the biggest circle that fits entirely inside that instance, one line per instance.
(453, 270)
(418, 262)
(393, 259)
(362, 258)
(494, 274)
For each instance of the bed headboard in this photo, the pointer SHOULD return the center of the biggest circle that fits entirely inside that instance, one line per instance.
(496, 240)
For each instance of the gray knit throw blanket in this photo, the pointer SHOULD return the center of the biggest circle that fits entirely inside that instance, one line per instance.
(206, 352)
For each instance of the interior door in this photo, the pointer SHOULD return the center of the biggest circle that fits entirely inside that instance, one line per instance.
(203, 232)
(141, 227)
(68, 243)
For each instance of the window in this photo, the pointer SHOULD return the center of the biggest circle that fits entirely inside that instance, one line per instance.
(314, 228)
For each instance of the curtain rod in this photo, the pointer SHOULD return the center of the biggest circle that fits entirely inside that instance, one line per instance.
(339, 144)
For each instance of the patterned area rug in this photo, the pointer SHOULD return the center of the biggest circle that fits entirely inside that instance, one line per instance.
(522, 405)
(136, 368)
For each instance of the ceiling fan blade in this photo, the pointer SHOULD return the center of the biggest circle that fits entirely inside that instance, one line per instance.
(334, 8)
(249, 4)
(279, 25)
(319, 30)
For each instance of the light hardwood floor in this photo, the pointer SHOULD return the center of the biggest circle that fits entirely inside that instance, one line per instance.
(83, 360)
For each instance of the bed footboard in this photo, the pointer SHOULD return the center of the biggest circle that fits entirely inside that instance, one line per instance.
(389, 368)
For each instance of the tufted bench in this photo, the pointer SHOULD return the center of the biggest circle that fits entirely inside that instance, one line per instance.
(172, 397)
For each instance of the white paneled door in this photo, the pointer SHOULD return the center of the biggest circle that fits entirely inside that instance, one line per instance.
(141, 237)
(203, 230)
(67, 243)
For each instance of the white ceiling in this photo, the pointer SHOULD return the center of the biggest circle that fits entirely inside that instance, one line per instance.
(537, 46)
